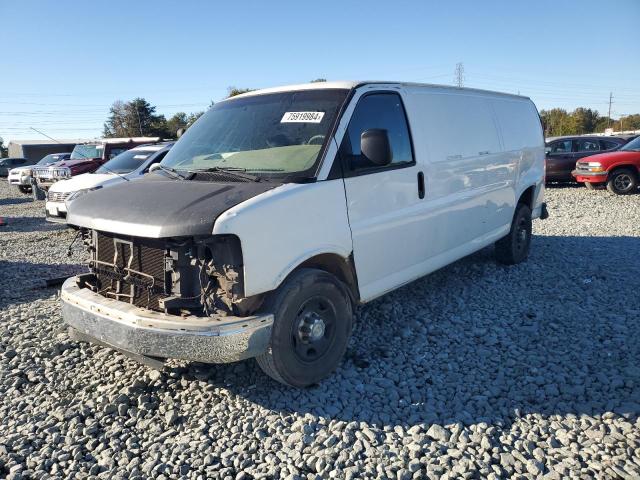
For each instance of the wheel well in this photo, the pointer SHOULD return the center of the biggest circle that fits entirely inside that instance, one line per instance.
(341, 268)
(527, 196)
(633, 168)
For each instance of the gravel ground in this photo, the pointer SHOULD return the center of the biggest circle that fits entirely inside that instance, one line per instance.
(477, 371)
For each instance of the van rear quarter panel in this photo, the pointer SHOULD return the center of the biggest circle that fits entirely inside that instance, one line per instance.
(283, 227)
(522, 137)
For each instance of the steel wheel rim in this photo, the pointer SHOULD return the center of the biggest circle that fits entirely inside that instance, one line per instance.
(622, 182)
(522, 233)
(314, 329)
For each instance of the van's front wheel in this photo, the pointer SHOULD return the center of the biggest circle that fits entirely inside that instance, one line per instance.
(514, 248)
(311, 329)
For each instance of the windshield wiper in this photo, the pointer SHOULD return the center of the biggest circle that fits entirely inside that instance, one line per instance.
(235, 171)
(172, 171)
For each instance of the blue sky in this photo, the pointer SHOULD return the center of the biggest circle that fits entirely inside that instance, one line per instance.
(63, 63)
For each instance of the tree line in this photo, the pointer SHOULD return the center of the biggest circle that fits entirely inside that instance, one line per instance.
(138, 118)
(558, 121)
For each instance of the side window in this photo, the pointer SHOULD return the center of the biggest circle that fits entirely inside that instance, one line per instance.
(563, 146)
(608, 144)
(378, 110)
(19, 161)
(588, 146)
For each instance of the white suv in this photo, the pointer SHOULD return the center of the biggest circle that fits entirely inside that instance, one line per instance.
(280, 210)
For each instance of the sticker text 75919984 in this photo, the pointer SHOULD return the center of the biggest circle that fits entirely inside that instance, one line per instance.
(302, 117)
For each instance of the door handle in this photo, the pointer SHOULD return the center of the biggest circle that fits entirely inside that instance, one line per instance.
(420, 185)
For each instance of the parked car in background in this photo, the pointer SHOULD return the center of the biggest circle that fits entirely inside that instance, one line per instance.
(22, 177)
(563, 153)
(618, 170)
(86, 158)
(280, 210)
(127, 166)
(7, 164)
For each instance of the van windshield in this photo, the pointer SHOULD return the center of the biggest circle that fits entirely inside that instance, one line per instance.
(276, 134)
(86, 151)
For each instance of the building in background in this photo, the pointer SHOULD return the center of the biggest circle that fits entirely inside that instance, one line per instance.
(34, 150)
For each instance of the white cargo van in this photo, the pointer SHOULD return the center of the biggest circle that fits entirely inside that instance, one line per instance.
(282, 209)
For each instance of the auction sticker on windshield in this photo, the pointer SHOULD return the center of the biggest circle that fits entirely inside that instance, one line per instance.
(302, 117)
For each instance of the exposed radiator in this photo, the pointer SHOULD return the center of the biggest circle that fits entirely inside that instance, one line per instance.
(130, 270)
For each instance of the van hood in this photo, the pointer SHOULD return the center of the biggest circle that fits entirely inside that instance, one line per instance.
(158, 207)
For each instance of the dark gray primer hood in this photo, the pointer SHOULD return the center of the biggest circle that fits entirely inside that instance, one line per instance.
(158, 207)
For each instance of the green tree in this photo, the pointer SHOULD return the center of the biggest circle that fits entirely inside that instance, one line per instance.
(177, 121)
(134, 119)
(585, 120)
(233, 91)
(3, 150)
(192, 117)
(628, 122)
(557, 122)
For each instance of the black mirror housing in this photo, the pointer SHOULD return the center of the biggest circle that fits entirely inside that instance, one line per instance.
(375, 146)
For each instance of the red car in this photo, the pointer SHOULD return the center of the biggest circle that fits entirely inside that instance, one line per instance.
(619, 170)
(87, 158)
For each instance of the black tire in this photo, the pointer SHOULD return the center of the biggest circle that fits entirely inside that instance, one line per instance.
(24, 189)
(591, 186)
(311, 303)
(622, 181)
(514, 248)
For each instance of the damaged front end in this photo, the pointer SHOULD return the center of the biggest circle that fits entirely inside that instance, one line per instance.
(175, 276)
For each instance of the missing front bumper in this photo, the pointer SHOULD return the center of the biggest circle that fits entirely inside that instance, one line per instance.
(154, 334)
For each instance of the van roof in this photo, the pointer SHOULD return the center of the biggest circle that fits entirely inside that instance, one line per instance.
(349, 84)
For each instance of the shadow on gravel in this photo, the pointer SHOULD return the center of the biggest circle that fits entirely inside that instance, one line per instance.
(30, 224)
(14, 201)
(22, 282)
(477, 342)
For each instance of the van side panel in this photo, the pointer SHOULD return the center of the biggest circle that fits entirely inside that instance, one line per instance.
(283, 227)
(469, 178)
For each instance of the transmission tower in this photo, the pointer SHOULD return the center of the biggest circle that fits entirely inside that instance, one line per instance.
(459, 74)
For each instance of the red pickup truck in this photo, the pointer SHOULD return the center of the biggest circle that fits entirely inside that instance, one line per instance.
(619, 170)
(86, 158)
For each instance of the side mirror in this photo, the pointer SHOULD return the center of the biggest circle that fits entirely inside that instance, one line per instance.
(375, 146)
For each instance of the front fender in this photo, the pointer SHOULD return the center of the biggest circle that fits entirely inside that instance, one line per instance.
(283, 227)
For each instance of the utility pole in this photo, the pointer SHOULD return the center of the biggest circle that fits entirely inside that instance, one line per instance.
(459, 74)
(609, 119)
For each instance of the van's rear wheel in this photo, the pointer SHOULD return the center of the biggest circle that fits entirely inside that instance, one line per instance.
(514, 248)
(311, 329)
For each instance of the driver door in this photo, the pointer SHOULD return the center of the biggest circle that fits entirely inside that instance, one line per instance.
(382, 200)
